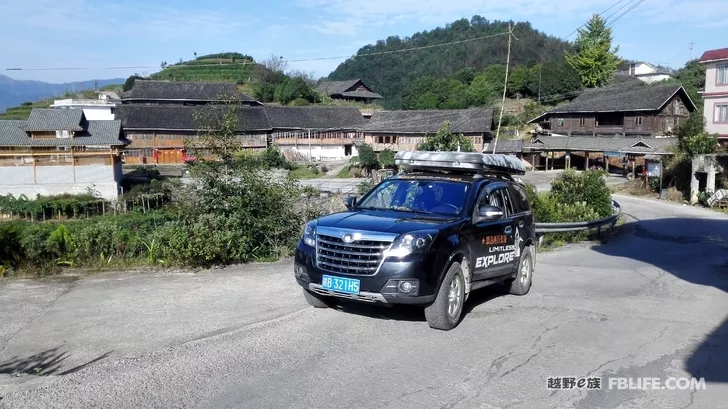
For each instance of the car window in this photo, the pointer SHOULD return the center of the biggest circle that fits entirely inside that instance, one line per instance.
(429, 196)
(508, 208)
(496, 199)
(520, 199)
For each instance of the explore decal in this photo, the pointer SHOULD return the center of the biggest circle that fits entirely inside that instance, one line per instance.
(499, 254)
(493, 259)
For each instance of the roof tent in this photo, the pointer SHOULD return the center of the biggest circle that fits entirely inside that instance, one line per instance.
(469, 162)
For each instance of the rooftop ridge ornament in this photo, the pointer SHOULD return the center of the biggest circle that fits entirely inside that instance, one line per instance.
(460, 161)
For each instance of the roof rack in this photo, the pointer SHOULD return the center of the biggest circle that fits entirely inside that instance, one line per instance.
(461, 162)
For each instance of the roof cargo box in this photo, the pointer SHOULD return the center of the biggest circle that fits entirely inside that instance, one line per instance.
(470, 162)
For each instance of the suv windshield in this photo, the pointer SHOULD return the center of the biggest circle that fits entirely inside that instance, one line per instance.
(421, 196)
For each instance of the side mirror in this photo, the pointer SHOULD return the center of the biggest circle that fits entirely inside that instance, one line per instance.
(490, 212)
(350, 201)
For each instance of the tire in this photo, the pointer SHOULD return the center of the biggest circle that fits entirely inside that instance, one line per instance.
(317, 301)
(438, 314)
(521, 285)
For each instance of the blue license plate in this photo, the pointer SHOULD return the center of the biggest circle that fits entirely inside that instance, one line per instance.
(340, 284)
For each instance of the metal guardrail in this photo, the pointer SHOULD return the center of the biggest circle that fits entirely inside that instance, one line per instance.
(543, 228)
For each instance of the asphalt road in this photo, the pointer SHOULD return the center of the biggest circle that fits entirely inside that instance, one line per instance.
(542, 181)
(650, 303)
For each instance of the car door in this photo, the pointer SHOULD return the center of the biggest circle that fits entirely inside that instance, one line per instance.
(492, 245)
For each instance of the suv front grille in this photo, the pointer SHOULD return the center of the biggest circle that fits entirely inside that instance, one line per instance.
(361, 257)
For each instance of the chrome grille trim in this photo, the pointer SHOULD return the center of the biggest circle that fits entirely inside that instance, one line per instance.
(364, 256)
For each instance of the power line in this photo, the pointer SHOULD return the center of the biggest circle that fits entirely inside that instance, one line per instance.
(581, 26)
(618, 10)
(339, 57)
(611, 23)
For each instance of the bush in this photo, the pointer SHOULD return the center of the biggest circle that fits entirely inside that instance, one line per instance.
(574, 197)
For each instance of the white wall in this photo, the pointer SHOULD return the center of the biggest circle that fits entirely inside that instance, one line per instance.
(94, 110)
(711, 75)
(653, 78)
(98, 113)
(333, 152)
(709, 113)
(53, 180)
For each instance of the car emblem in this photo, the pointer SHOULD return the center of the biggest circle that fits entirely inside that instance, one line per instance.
(348, 238)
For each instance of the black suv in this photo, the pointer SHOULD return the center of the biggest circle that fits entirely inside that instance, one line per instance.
(449, 223)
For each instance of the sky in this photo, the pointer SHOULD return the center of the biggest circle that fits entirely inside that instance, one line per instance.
(97, 34)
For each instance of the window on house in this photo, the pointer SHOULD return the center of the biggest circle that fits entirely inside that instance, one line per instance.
(721, 113)
(560, 121)
(722, 77)
(582, 121)
(638, 121)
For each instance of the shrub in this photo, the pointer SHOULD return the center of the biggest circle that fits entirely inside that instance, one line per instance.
(586, 187)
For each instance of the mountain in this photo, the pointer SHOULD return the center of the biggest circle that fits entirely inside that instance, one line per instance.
(392, 73)
(14, 92)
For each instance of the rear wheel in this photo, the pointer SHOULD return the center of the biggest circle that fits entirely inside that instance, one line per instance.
(318, 301)
(445, 312)
(524, 275)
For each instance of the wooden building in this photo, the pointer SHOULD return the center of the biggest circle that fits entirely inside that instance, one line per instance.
(349, 90)
(159, 133)
(625, 110)
(59, 151)
(404, 130)
(316, 131)
(185, 93)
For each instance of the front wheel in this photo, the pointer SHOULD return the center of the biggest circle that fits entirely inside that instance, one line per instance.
(445, 312)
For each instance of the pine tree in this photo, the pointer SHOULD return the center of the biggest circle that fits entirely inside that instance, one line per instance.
(594, 58)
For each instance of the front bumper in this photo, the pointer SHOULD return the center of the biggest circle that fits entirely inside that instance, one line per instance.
(372, 287)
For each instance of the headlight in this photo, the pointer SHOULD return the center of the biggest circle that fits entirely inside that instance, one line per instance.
(309, 234)
(414, 242)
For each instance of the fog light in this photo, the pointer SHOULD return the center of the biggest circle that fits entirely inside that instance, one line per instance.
(405, 287)
(300, 272)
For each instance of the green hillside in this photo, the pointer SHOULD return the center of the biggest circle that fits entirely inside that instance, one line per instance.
(392, 74)
(225, 67)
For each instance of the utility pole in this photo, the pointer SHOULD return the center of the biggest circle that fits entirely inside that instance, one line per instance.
(310, 156)
(505, 86)
(539, 81)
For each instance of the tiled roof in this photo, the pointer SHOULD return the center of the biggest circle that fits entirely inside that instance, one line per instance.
(344, 88)
(361, 94)
(473, 120)
(642, 97)
(96, 133)
(177, 90)
(505, 146)
(51, 119)
(715, 55)
(317, 117)
(335, 87)
(602, 144)
(188, 118)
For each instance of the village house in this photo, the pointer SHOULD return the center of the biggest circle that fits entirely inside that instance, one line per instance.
(100, 109)
(316, 132)
(645, 71)
(404, 130)
(626, 110)
(60, 151)
(349, 90)
(159, 133)
(185, 93)
(610, 125)
(715, 94)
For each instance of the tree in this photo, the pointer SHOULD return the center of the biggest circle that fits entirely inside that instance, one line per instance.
(129, 83)
(367, 158)
(594, 58)
(294, 88)
(386, 158)
(447, 141)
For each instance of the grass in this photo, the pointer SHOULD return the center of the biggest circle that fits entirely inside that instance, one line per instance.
(349, 172)
(304, 172)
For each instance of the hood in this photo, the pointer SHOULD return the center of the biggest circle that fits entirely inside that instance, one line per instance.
(389, 221)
